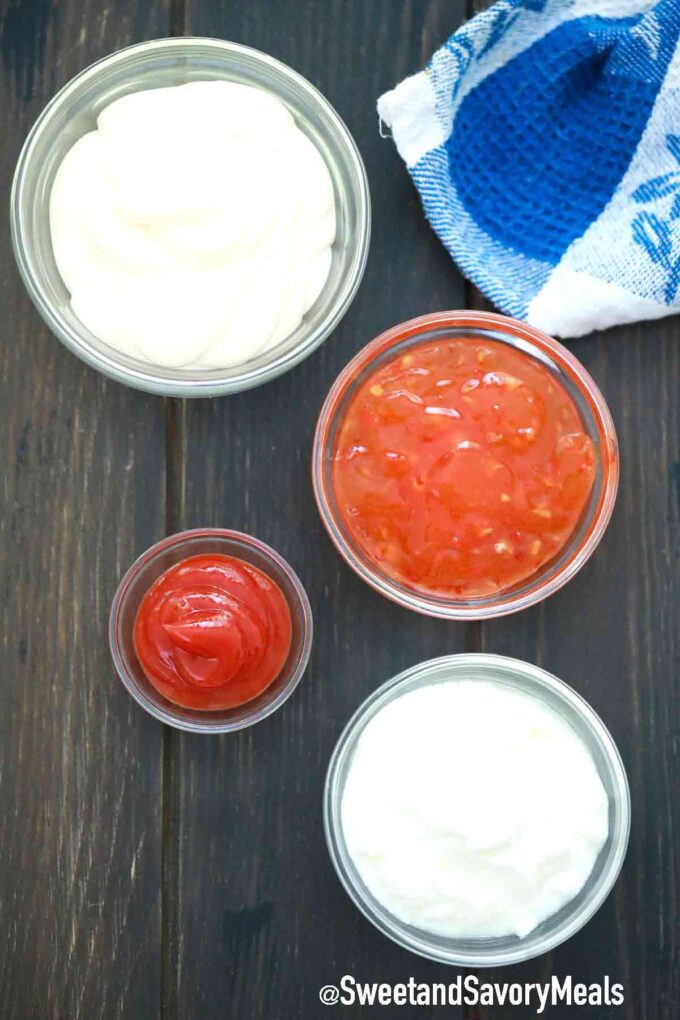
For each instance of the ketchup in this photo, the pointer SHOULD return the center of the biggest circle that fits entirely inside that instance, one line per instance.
(461, 467)
(212, 632)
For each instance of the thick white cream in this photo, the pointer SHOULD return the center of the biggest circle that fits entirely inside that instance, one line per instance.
(471, 810)
(194, 227)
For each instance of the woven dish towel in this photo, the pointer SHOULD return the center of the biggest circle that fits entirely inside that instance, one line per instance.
(544, 139)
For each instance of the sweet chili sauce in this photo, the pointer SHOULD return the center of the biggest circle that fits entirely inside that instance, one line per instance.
(461, 467)
(212, 632)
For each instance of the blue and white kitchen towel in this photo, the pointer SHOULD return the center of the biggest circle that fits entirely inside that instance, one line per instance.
(544, 139)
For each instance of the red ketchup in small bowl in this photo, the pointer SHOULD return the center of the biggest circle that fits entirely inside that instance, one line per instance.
(212, 632)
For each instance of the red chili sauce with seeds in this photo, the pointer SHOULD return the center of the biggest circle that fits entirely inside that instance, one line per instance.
(461, 467)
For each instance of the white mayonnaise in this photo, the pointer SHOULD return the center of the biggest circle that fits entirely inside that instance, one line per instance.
(471, 809)
(194, 227)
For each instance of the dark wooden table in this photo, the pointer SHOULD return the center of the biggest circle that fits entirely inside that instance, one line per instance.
(144, 873)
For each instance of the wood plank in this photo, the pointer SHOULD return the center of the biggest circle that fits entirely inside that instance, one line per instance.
(82, 493)
(612, 633)
(263, 923)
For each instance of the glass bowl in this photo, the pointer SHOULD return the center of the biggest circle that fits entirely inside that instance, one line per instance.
(487, 952)
(597, 422)
(163, 62)
(137, 581)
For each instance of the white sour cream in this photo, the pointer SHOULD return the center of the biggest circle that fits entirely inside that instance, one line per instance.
(472, 810)
(194, 227)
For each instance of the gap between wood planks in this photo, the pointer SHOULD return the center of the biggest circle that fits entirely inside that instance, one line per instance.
(175, 443)
(177, 16)
(175, 440)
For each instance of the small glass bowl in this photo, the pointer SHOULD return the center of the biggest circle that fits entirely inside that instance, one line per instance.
(164, 62)
(571, 707)
(597, 422)
(137, 581)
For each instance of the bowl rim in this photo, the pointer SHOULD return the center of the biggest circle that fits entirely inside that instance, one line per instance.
(347, 741)
(143, 377)
(528, 337)
(166, 714)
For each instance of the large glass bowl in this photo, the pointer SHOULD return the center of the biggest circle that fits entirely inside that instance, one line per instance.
(577, 713)
(163, 62)
(568, 372)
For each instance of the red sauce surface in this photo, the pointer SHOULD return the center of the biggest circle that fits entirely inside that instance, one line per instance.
(212, 632)
(461, 467)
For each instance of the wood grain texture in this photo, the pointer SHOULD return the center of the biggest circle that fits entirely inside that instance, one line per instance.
(263, 921)
(612, 633)
(81, 494)
(144, 873)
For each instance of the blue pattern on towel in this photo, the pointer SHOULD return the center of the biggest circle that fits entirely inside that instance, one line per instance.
(534, 137)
